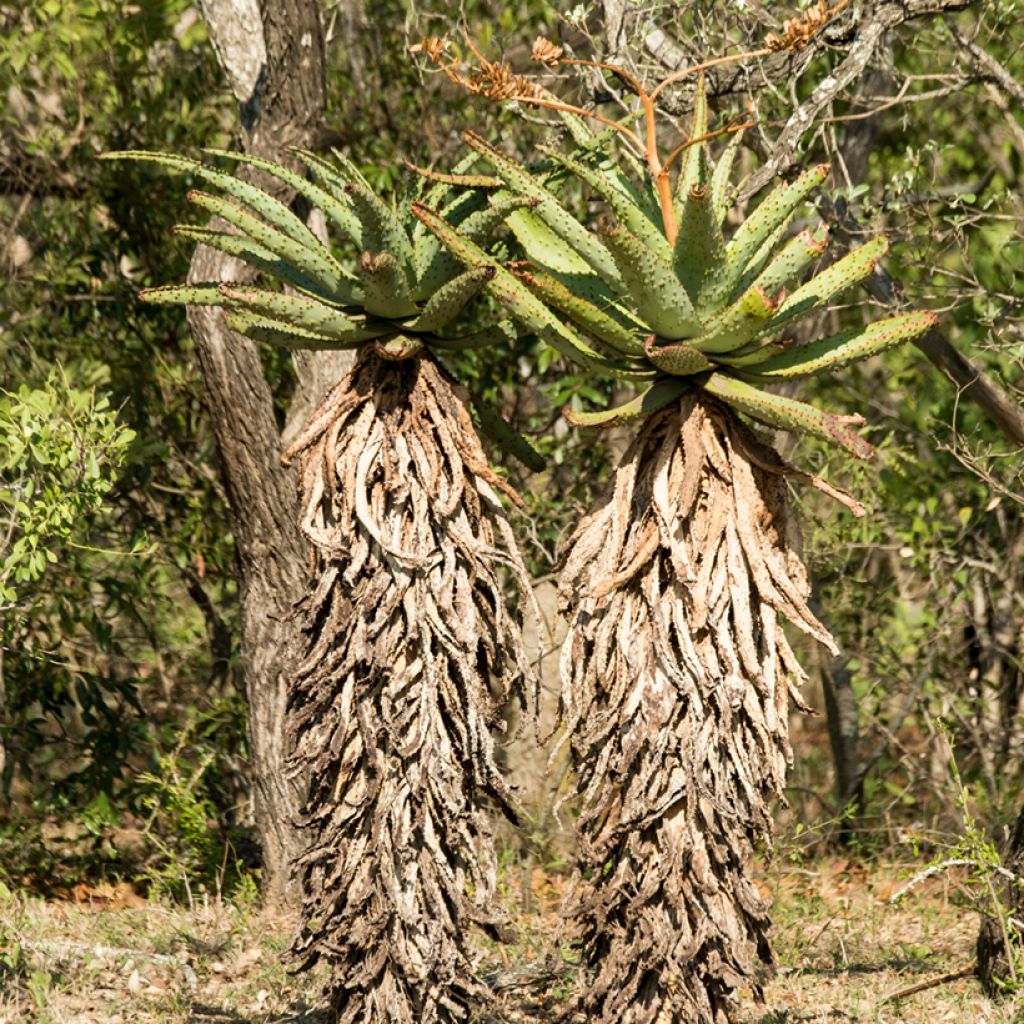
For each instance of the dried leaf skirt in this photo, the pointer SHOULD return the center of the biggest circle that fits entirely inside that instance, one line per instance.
(410, 655)
(676, 677)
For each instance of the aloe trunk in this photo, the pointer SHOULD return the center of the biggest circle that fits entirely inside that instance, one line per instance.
(409, 656)
(676, 680)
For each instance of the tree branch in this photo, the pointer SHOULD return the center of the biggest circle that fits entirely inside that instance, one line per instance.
(985, 64)
(1004, 412)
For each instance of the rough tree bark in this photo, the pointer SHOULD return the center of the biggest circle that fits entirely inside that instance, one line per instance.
(999, 941)
(272, 53)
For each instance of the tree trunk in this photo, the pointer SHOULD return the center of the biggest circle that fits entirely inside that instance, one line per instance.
(273, 56)
(999, 966)
(844, 739)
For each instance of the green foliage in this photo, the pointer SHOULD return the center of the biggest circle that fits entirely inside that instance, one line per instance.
(707, 314)
(60, 449)
(108, 655)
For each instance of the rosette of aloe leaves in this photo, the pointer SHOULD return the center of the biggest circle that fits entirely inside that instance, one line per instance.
(676, 671)
(409, 648)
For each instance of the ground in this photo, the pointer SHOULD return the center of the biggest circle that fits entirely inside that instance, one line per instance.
(105, 956)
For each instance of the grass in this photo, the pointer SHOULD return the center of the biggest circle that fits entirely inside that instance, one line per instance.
(109, 957)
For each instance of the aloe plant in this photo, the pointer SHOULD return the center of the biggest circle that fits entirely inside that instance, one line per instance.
(676, 674)
(409, 651)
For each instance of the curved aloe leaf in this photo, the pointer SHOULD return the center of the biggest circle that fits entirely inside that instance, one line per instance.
(544, 247)
(501, 333)
(318, 265)
(280, 333)
(738, 324)
(785, 266)
(333, 206)
(696, 169)
(549, 210)
(698, 256)
(847, 347)
(769, 216)
(183, 295)
(463, 180)
(450, 299)
(299, 311)
(720, 190)
(433, 265)
(272, 210)
(787, 413)
(494, 425)
(522, 304)
(753, 354)
(656, 397)
(264, 260)
(659, 295)
(625, 208)
(844, 273)
(383, 231)
(480, 223)
(586, 315)
(386, 291)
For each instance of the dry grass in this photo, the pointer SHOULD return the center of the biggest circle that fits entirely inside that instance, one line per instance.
(842, 948)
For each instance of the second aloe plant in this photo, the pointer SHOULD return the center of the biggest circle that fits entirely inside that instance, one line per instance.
(676, 672)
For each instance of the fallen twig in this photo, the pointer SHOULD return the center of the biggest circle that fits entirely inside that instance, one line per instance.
(942, 979)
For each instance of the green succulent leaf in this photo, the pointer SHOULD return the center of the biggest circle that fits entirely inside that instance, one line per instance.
(585, 314)
(386, 291)
(786, 413)
(462, 180)
(522, 304)
(721, 191)
(696, 169)
(433, 265)
(479, 224)
(318, 264)
(843, 274)
(845, 348)
(626, 208)
(698, 256)
(739, 323)
(544, 247)
(450, 299)
(183, 295)
(501, 333)
(769, 217)
(549, 210)
(280, 333)
(494, 425)
(337, 209)
(657, 396)
(382, 228)
(753, 354)
(788, 263)
(266, 261)
(299, 311)
(659, 296)
(272, 210)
